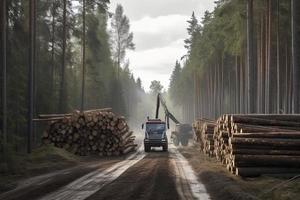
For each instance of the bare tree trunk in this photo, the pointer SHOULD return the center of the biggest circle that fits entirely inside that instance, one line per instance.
(31, 73)
(53, 51)
(4, 91)
(278, 58)
(272, 70)
(267, 91)
(222, 85)
(242, 85)
(263, 63)
(83, 56)
(251, 82)
(237, 84)
(62, 90)
(195, 96)
(296, 54)
(259, 67)
(215, 90)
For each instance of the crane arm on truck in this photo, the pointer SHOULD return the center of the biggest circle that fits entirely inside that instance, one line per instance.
(161, 100)
(182, 132)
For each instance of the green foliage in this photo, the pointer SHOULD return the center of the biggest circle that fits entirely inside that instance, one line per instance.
(156, 87)
(104, 88)
(121, 35)
(220, 33)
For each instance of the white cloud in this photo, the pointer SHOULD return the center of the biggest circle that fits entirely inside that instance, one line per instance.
(157, 63)
(153, 32)
(155, 25)
(159, 28)
(137, 9)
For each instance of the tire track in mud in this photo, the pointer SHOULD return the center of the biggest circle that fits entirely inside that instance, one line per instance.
(87, 185)
(151, 178)
(188, 185)
(154, 175)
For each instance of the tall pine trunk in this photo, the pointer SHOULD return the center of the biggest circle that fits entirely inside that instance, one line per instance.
(250, 79)
(31, 72)
(62, 89)
(278, 99)
(83, 56)
(296, 54)
(53, 13)
(3, 55)
(272, 70)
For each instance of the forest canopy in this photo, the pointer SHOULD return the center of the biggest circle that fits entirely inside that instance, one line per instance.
(59, 56)
(243, 57)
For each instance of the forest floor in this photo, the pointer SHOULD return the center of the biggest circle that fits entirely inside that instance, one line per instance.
(221, 184)
(44, 160)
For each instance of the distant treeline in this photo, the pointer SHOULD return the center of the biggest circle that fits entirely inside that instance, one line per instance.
(76, 63)
(243, 57)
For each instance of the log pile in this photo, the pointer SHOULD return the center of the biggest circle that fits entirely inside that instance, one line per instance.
(98, 132)
(203, 134)
(251, 145)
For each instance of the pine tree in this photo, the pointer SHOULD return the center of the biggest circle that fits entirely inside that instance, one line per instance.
(122, 38)
(192, 29)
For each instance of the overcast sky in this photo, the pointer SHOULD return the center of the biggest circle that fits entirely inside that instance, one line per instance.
(159, 28)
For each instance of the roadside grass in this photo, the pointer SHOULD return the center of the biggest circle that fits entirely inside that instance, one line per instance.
(272, 187)
(224, 185)
(16, 166)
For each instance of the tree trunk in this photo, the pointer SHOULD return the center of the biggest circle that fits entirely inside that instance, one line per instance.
(278, 94)
(62, 90)
(4, 55)
(267, 39)
(83, 57)
(296, 54)
(53, 52)
(31, 73)
(272, 71)
(237, 85)
(250, 79)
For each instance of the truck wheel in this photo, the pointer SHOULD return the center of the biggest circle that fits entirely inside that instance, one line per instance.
(184, 141)
(165, 147)
(147, 148)
(175, 141)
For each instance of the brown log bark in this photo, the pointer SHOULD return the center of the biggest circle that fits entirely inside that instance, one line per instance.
(257, 171)
(263, 152)
(266, 161)
(263, 122)
(287, 135)
(266, 142)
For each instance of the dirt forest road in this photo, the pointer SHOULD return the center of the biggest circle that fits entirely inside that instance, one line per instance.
(155, 175)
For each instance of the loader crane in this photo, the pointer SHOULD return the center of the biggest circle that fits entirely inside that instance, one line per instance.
(155, 129)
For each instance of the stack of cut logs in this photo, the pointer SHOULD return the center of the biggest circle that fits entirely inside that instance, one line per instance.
(98, 132)
(203, 134)
(251, 145)
(255, 144)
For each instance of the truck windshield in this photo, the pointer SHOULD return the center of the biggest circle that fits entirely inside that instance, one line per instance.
(159, 128)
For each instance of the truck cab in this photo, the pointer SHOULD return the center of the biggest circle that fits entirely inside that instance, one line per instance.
(155, 134)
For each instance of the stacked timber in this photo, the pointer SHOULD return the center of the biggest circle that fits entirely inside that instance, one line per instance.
(251, 145)
(203, 132)
(98, 132)
(221, 136)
